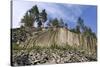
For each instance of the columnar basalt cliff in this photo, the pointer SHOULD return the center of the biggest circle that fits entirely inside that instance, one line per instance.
(59, 37)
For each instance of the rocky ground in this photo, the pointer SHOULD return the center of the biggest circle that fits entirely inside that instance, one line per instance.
(49, 56)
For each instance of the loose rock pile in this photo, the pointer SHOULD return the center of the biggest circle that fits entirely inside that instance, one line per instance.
(48, 56)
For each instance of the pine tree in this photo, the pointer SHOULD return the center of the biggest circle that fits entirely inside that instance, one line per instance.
(61, 24)
(43, 15)
(80, 24)
(55, 22)
(30, 16)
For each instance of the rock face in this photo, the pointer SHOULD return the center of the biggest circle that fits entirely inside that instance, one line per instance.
(61, 37)
(49, 56)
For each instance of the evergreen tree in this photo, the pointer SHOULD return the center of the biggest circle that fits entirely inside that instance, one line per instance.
(39, 24)
(88, 32)
(30, 16)
(55, 22)
(66, 25)
(34, 11)
(77, 29)
(80, 24)
(61, 24)
(43, 15)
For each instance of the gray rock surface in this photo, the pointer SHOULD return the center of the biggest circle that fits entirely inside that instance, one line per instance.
(49, 56)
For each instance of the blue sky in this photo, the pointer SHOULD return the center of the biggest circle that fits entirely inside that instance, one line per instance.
(68, 12)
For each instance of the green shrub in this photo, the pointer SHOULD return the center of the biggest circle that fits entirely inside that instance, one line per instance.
(17, 47)
(54, 46)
